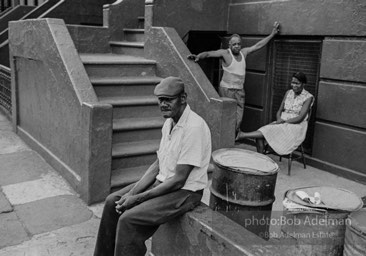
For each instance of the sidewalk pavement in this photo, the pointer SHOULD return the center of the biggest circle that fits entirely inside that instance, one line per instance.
(41, 215)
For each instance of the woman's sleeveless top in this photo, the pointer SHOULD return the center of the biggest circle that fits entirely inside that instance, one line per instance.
(294, 104)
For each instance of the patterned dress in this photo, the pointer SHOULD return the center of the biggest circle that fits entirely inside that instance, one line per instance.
(285, 138)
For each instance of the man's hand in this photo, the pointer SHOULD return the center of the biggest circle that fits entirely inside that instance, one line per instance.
(120, 202)
(193, 57)
(276, 28)
(126, 202)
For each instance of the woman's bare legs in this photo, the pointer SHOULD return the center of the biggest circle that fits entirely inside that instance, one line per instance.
(257, 135)
(244, 135)
(259, 142)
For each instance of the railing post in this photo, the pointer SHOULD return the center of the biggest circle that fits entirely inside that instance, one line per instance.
(106, 15)
(149, 14)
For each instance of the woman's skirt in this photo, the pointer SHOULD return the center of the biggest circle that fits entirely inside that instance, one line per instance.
(284, 138)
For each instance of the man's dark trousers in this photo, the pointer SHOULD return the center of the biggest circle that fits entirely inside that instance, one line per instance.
(125, 234)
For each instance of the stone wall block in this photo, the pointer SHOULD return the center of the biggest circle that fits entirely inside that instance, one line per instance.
(342, 103)
(183, 16)
(344, 60)
(298, 17)
(341, 146)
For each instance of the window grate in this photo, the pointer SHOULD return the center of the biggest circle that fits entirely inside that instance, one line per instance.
(290, 57)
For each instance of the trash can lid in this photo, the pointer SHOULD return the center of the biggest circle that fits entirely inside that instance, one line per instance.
(244, 161)
(358, 220)
(332, 198)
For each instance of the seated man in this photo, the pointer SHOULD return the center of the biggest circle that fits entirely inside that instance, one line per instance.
(171, 186)
(289, 130)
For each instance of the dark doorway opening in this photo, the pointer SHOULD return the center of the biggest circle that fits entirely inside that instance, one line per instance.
(202, 41)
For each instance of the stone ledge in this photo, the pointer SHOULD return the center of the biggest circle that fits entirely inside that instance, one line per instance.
(206, 232)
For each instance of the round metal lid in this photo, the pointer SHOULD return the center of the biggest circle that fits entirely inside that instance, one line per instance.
(331, 197)
(244, 161)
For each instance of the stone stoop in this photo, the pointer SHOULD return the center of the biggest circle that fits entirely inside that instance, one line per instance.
(126, 80)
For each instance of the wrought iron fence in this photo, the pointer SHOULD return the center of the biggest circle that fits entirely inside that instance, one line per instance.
(5, 89)
(4, 4)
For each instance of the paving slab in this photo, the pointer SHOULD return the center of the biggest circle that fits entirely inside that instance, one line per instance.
(3, 118)
(310, 176)
(5, 206)
(97, 209)
(75, 240)
(5, 126)
(52, 213)
(11, 143)
(50, 184)
(11, 230)
(22, 166)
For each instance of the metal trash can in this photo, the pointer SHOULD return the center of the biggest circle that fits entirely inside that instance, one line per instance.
(355, 238)
(243, 187)
(318, 229)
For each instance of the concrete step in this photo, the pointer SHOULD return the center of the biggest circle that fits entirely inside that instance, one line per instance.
(137, 129)
(124, 177)
(128, 48)
(117, 65)
(133, 154)
(128, 101)
(134, 34)
(124, 86)
(132, 107)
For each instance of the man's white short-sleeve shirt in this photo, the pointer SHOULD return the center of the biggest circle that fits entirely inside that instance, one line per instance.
(189, 142)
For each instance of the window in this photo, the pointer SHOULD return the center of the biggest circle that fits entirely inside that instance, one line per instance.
(291, 56)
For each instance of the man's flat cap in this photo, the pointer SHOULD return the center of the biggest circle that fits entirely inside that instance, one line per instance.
(169, 87)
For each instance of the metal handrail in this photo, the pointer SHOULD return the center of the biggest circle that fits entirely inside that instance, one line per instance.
(5, 89)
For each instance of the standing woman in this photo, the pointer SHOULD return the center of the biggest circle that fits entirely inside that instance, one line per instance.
(289, 130)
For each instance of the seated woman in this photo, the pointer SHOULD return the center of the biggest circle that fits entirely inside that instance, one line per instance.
(289, 130)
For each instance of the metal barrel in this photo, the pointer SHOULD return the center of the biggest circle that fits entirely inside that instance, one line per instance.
(242, 188)
(318, 229)
(316, 233)
(355, 237)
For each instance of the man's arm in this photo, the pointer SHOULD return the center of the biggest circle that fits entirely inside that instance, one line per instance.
(210, 54)
(263, 42)
(169, 185)
(146, 180)
(192, 152)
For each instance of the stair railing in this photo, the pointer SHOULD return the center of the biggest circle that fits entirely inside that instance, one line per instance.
(122, 14)
(55, 109)
(164, 45)
(34, 14)
(5, 91)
